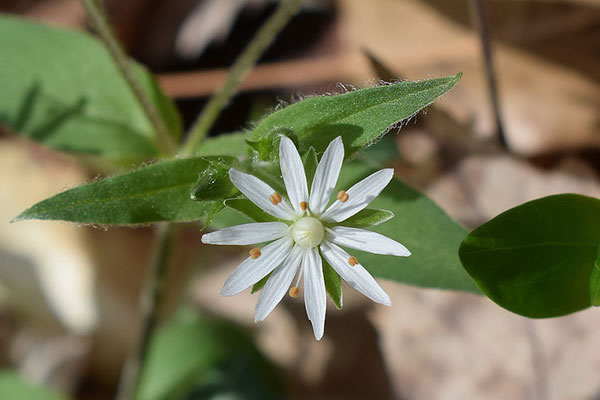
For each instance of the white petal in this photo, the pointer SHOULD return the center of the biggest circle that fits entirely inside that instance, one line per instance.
(356, 276)
(258, 192)
(257, 232)
(277, 285)
(326, 176)
(368, 241)
(315, 297)
(359, 196)
(252, 270)
(293, 173)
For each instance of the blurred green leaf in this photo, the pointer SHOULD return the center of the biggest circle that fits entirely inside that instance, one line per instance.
(595, 282)
(158, 192)
(536, 259)
(12, 387)
(63, 89)
(198, 358)
(427, 231)
(229, 144)
(333, 285)
(360, 117)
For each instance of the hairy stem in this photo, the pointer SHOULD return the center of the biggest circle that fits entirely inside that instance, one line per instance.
(151, 298)
(244, 63)
(97, 15)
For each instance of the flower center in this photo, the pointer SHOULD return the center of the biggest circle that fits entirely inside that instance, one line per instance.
(308, 232)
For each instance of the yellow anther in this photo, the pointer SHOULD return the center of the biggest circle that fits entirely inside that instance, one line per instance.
(303, 205)
(254, 252)
(342, 196)
(294, 291)
(275, 198)
(352, 261)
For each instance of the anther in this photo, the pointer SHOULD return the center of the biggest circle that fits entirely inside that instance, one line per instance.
(275, 198)
(294, 291)
(352, 261)
(342, 196)
(303, 205)
(254, 252)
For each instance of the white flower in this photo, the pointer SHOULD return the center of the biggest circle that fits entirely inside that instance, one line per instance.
(312, 231)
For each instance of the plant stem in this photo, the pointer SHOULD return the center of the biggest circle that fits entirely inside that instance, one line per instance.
(97, 15)
(151, 298)
(479, 16)
(263, 38)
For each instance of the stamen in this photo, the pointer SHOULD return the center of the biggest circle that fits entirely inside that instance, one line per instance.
(294, 291)
(275, 198)
(303, 205)
(342, 196)
(352, 261)
(254, 252)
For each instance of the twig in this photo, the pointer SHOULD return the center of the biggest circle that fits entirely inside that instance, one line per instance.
(151, 299)
(100, 23)
(479, 16)
(263, 38)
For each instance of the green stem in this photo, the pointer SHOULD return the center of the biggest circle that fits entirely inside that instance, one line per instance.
(100, 23)
(244, 63)
(151, 298)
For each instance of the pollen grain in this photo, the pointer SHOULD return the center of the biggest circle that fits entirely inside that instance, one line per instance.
(352, 261)
(254, 252)
(275, 198)
(342, 196)
(303, 205)
(294, 291)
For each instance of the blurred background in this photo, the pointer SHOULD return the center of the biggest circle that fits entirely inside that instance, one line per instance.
(69, 309)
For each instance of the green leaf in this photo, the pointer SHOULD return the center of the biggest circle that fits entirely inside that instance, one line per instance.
(249, 209)
(360, 117)
(230, 144)
(14, 387)
(333, 285)
(419, 224)
(158, 192)
(595, 282)
(310, 165)
(213, 183)
(267, 148)
(66, 92)
(536, 259)
(368, 217)
(200, 357)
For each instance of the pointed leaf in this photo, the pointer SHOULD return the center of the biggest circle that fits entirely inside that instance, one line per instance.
(158, 192)
(360, 117)
(536, 259)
